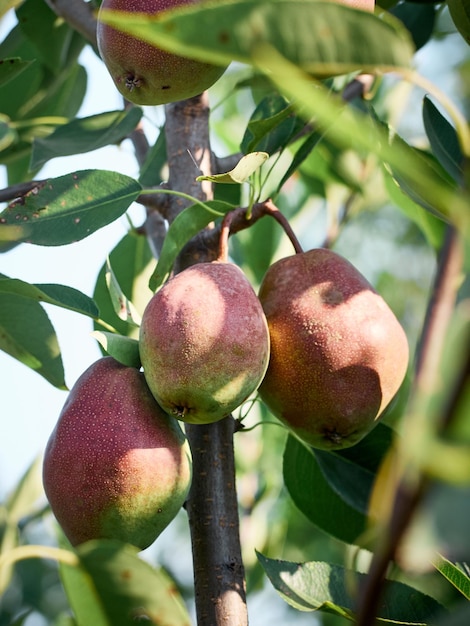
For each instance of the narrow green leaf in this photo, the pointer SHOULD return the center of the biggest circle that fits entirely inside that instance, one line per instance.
(24, 497)
(113, 586)
(69, 208)
(418, 18)
(327, 587)
(460, 13)
(443, 139)
(22, 501)
(454, 574)
(123, 349)
(351, 472)
(349, 128)
(432, 227)
(245, 168)
(11, 67)
(324, 38)
(84, 135)
(59, 295)
(8, 134)
(315, 498)
(49, 36)
(188, 223)
(123, 307)
(151, 170)
(27, 335)
(6, 5)
(271, 126)
(300, 155)
(132, 263)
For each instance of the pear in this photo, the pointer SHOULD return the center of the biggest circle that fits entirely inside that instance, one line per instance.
(116, 465)
(204, 342)
(145, 74)
(338, 353)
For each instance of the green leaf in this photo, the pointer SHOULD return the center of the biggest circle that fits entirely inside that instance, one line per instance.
(443, 139)
(123, 307)
(69, 208)
(315, 498)
(419, 19)
(323, 38)
(8, 134)
(84, 135)
(188, 223)
(132, 262)
(460, 13)
(11, 67)
(113, 586)
(327, 587)
(49, 36)
(245, 167)
(123, 349)
(300, 155)
(432, 227)
(151, 170)
(350, 128)
(271, 126)
(27, 335)
(351, 472)
(454, 574)
(59, 295)
(407, 182)
(21, 502)
(6, 5)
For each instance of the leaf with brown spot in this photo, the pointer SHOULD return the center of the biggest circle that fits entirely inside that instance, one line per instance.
(69, 208)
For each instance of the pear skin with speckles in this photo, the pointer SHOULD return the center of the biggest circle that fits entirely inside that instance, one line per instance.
(338, 353)
(204, 342)
(145, 74)
(116, 465)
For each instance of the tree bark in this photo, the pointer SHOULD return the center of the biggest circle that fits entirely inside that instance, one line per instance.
(212, 505)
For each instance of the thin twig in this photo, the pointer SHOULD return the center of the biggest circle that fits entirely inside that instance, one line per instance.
(19, 190)
(409, 493)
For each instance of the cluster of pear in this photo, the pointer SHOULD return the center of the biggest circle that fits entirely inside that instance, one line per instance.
(320, 345)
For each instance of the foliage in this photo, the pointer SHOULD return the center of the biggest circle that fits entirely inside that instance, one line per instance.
(350, 169)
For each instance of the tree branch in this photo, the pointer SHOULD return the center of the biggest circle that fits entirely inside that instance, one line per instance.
(409, 493)
(212, 504)
(79, 14)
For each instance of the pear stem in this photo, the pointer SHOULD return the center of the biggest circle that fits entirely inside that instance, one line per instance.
(271, 209)
(223, 239)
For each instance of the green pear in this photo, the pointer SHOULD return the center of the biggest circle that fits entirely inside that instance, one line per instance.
(116, 465)
(338, 353)
(145, 74)
(204, 342)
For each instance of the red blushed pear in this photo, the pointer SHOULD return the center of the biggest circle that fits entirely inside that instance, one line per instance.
(204, 341)
(116, 465)
(338, 353)
(145, 74)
